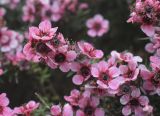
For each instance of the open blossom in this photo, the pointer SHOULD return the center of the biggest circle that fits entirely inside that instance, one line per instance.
(8, 40)
(151, 83)
(105, 75)
(83, 71)
(88, 50)
(28, 13)
(44, 32)
(63, 57)
(27, 109)
(89, 107)
(57, 10)
(74, 97)
(56, 110)
(134, 103)
(97, 25)
(4, 109)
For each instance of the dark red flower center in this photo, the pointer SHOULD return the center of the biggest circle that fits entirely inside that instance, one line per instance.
(97, 26)
(88, 111)
(85, 71)
(147, 20)
(42, 48)
(60, 58)
(134, 102)
(104, 77)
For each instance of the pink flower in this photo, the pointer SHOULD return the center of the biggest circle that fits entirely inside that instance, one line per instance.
(73, 98)
(63, 57)
(29, 13)
(56, 110)
(83, 71)
(67, 110)
(8, 40)
(105, 74)
(57, 10)
(151, 80)
(4, 109)
(134, 102)
(89, 107)
(30, 53)
(45, 32)
(155, 63)
(97, 25)
(88, 50)
(27, 109)
(130, 72)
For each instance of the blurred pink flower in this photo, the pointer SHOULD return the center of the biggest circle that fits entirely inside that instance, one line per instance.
(97, 25)
(8, 40)
(56, 110)
(74, 97)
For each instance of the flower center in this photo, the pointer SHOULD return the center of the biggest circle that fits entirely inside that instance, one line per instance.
(88, 110)
(134, 102)
(147, 20)
(125, 88)
(59, 58)
(97, 26)
(42, 48)
(1, 109)
(56, 42)
(85, 71)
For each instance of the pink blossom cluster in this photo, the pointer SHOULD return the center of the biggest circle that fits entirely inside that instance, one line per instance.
(118, 75)
(146, 13)
(149, 9)
(26, 109)
(11, 47)
(50, 9)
